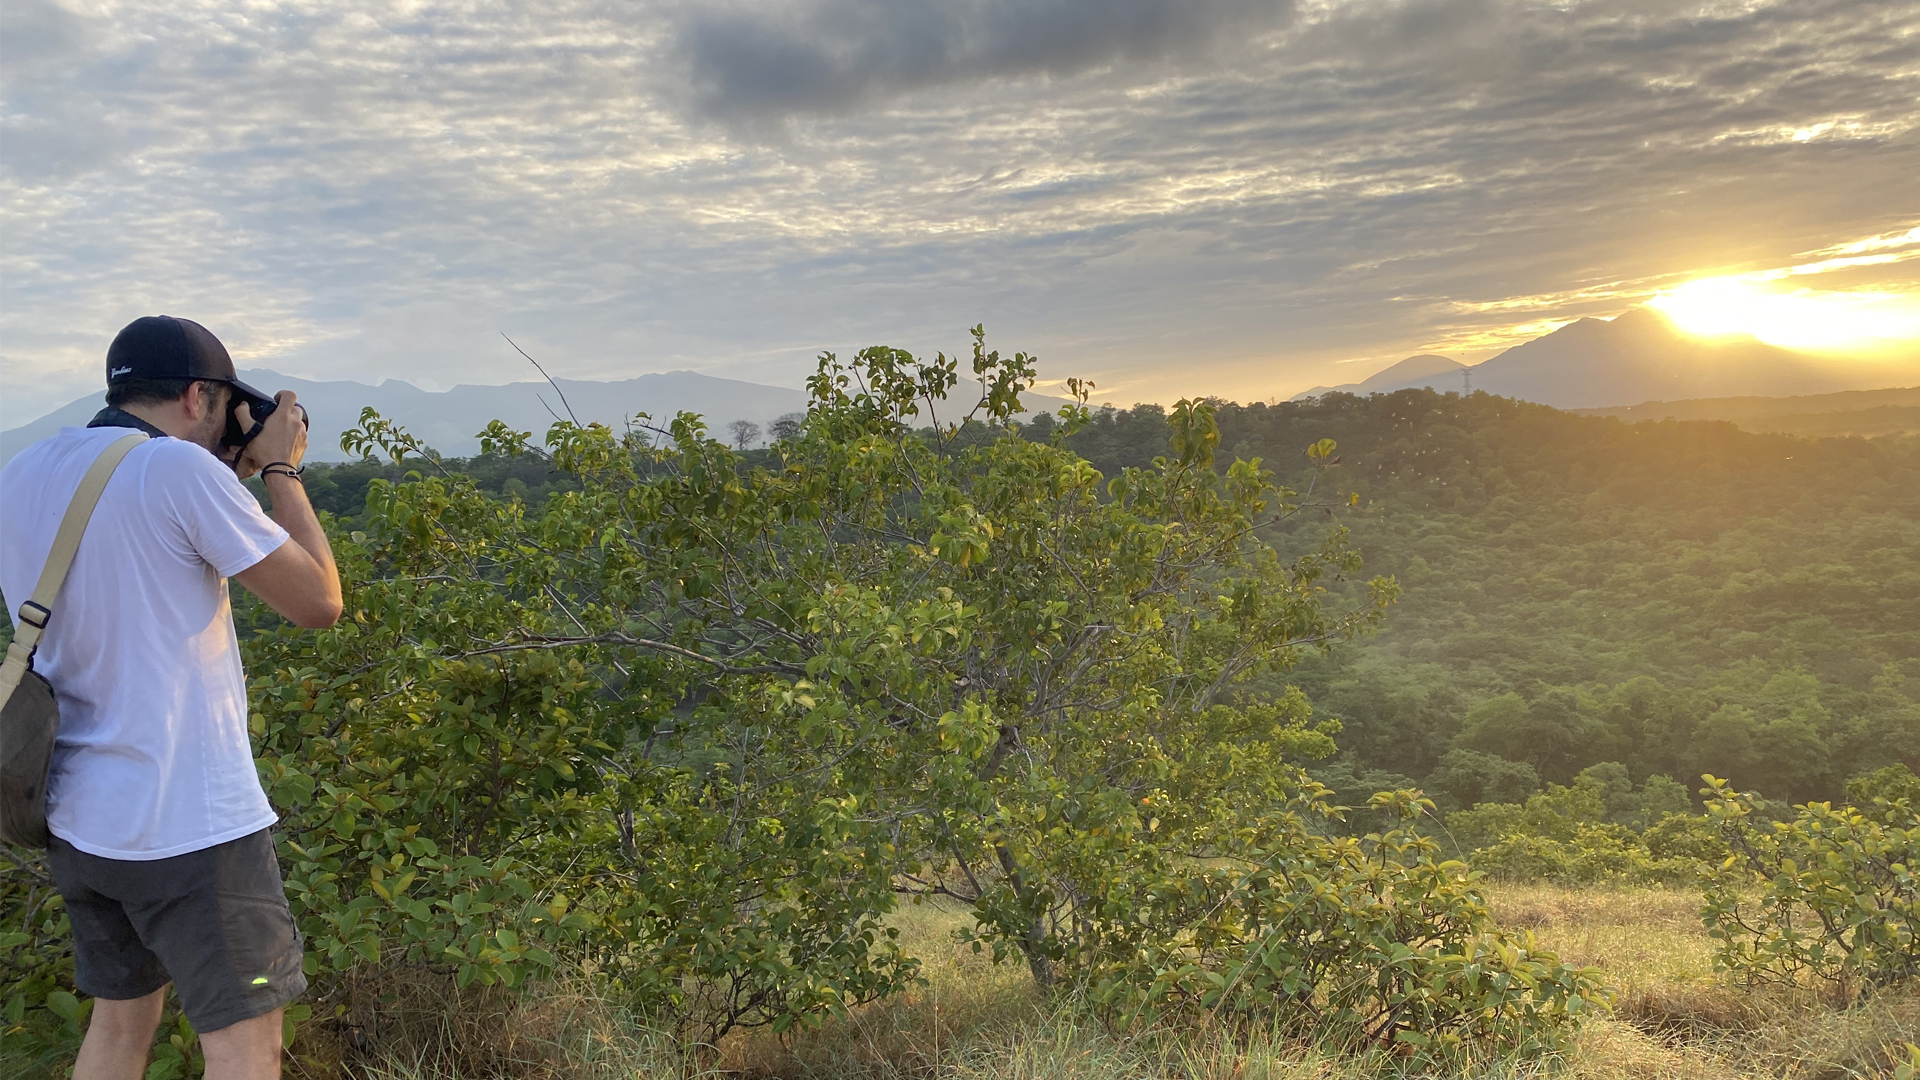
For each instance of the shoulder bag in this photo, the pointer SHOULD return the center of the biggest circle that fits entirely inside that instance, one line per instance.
(29, 716)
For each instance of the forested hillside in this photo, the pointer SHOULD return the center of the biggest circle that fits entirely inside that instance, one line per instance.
(1678, 597)
(1866, 413)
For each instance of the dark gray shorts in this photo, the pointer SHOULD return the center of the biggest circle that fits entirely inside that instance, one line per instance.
(214, 922)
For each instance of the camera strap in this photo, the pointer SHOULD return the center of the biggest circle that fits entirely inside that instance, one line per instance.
(112, 417)
(30, 622)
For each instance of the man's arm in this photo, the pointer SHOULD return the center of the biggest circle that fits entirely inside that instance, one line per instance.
(299, 580)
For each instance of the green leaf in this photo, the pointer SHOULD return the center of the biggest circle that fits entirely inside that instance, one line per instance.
(64, 1005)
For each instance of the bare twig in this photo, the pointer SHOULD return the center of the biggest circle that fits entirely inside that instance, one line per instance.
(549, 378)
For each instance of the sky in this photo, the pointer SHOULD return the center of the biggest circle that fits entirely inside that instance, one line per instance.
(1169, 197)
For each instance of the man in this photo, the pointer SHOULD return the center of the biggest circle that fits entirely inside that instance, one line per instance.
(161, 845)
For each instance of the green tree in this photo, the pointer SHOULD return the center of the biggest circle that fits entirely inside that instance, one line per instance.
(698, 718)
(1554, 733)
(1470, 776)
(1727, 741)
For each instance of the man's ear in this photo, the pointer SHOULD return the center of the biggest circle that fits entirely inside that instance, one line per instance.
(204, 399)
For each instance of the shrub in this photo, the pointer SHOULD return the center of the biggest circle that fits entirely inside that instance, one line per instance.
(1372, 941)
(1685, 841)
(1828, 898)
(1591, 854)
(35, 955)
(1588, 833)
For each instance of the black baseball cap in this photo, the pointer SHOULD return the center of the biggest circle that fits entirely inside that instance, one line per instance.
(164, 347)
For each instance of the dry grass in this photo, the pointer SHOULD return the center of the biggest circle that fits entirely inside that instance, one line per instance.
(1674, 1018)
(1644, 938)
(967, 1000)
(417, 1024)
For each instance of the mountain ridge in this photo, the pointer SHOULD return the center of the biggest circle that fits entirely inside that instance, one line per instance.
(449, 420)
(1640, 356)
(1414, 369)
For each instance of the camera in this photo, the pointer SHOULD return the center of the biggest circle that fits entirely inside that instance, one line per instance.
(235, 437)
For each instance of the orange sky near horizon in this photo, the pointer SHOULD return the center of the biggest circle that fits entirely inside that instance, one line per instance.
(1871, 311)
(1863, 322)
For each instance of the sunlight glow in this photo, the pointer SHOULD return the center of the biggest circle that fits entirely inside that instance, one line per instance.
(1805, 319)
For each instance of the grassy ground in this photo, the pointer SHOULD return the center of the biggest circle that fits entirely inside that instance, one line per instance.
(1673, 1018)
(974, 1021)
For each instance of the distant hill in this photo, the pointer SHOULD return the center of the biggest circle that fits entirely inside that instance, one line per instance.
(1427, 369)
(450, 420)
(1866, 413)
(1640, 356)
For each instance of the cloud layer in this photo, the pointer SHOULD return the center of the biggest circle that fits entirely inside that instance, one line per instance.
(1211, 196)
(778, 60)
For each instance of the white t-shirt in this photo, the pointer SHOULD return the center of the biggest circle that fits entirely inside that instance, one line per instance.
(152, 758)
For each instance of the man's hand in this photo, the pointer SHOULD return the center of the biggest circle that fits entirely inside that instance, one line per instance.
(299, 579)
(284, 438)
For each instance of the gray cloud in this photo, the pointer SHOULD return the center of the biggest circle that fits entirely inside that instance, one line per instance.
(771, 61)
(52, 128)
(36, 34)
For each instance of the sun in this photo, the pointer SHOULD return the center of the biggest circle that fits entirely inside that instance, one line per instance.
(1810, 320)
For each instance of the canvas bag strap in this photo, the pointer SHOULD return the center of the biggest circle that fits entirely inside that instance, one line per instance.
(31, 620)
